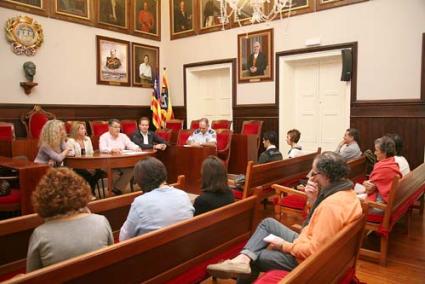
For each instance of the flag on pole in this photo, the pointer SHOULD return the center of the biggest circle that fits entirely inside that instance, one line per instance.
(166, 107)
(155, 105)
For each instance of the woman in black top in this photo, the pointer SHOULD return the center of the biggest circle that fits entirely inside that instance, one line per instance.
(215, 192)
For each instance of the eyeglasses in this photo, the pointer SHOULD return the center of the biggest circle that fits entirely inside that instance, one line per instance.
(116, 126)
(313, 173)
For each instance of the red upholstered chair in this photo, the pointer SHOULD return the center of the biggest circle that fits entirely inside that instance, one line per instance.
(174, 124)
(7, 131)
(253, 127)
(98, 127)
(224, 140)
(35, 120)
(183, 136)
(194, 124)
(128, 127)
(165, 134)
(221, 124)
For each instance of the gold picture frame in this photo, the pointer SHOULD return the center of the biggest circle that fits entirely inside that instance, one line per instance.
(39, 7)
(255, 56)
(79, 11)
(112, 61)
(209, 16)
(144, 65)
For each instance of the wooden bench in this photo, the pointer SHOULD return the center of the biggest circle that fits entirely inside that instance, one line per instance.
(262, 176)
(290, 201)
(404, 193)
(332, 263)
(15, 232)
(159, 256)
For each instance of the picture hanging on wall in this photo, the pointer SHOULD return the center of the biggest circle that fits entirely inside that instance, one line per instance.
(113, 14)
(80, 11)
(39, 7)
(182, 15)
(328, 4)
(145, 65)
(147, 18)
(255, 56)
(113, 62)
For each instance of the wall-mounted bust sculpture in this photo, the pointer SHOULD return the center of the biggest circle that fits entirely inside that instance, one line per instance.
(30, 70)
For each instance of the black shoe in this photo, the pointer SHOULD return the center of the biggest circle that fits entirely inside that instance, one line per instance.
(116, 191)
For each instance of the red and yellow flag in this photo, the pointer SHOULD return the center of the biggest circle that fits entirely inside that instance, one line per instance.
(155, 105)
(166, 107)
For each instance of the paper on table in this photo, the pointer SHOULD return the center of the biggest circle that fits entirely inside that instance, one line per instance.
(129, 152)
(359, 188)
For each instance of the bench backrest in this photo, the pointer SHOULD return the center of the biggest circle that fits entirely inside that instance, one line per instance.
(408, 186)
(357, 168)
(279, 172)
(16, 232)
(158, 256)
(334, 259)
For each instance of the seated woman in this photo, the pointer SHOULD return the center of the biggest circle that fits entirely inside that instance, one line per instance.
(292, 138)
(215, 192)
(272, 152)
(52, 147)
(81, 145)
(380, 180)
(70, 229)
(159, 206)
(349, 148)
(403, 164)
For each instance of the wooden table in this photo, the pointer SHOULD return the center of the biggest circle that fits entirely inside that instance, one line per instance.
(30, 174)
(242, 150)
(107, 162)
(183, 160)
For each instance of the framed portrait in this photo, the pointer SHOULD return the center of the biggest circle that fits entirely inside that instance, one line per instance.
(245, 13)
(183, 18)
(113, 14)
(80, 11)
(329, 4)
(113, 61)
(147, 18)
(145, 64)
(297, 7)
(255, 56)
(40, 7)
(209, 19)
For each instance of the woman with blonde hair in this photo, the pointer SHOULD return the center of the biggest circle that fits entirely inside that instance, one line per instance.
(69, 229)
(52, 147)
(81, 145)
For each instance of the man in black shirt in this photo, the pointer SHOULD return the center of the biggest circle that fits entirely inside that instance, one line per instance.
(147, 139)
(271, 153)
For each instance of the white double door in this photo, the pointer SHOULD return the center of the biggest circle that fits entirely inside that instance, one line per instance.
(318, 103)
(209, 92)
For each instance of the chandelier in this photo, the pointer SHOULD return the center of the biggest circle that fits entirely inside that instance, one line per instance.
(261, 11)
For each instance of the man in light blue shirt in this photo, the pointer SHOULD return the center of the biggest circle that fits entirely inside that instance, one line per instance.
(160, 205)
(203, 136)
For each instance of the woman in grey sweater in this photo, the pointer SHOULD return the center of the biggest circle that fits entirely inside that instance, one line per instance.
(69, 229)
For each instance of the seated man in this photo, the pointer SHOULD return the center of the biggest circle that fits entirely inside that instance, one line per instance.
(115, 142)
(334, 205)
(147, 139)
(272, 153)
(349, 147)
(203, 136)
(160, 205)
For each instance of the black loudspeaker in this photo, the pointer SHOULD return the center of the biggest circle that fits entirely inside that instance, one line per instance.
(347, 64)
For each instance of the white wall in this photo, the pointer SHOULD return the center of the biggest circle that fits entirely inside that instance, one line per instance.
(66, 67)
(389, 33)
